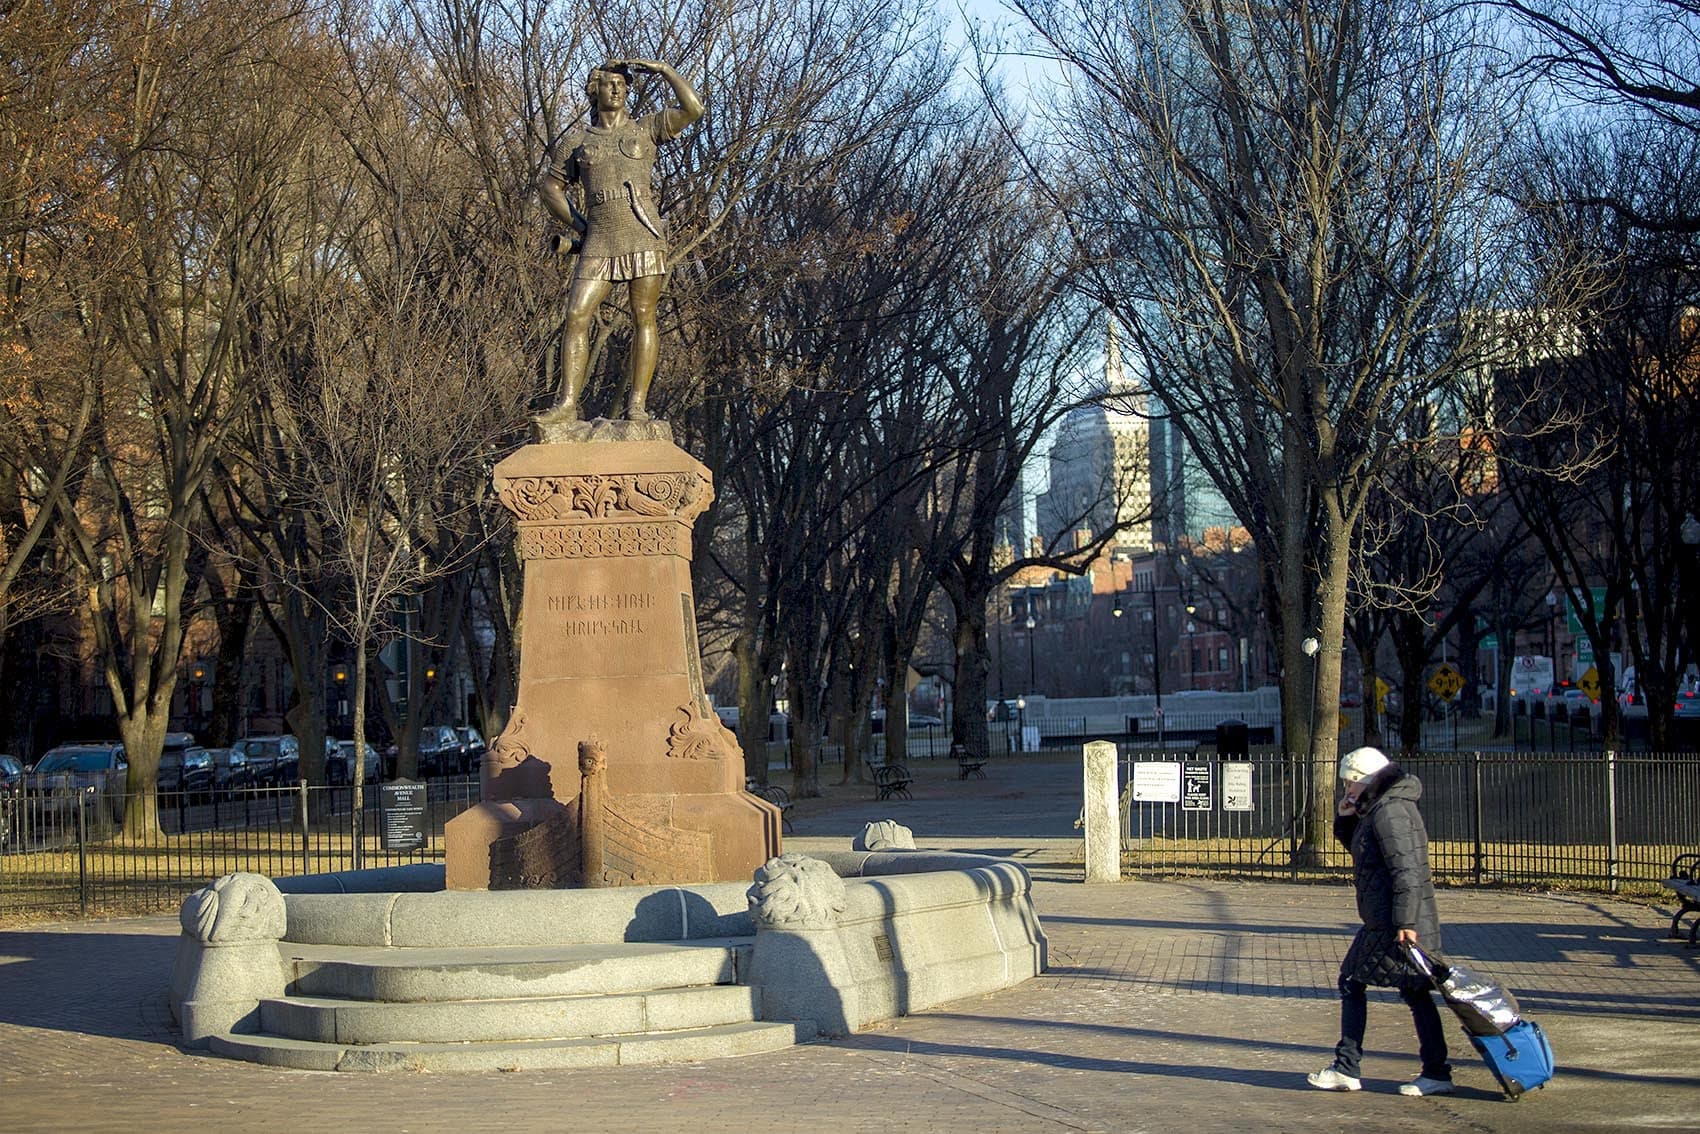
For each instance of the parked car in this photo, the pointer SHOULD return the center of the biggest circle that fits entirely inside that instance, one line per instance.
(475, 746)
(1687, 703)
(339, 765)
(11, 784)
(778, 723)
(185, 772)
(72, 769)
(273, 761)
(1575, 700)
(441, 752)
(230, 772)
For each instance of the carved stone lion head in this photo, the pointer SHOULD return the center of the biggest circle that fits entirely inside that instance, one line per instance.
(235, 909)
(794, 892)
(887, 834)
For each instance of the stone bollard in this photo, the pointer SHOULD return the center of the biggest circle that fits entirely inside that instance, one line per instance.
(1102, 813)
(799, 968)
(227, 957)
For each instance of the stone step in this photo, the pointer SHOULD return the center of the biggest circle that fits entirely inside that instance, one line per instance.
(333, 1020)
(413, 975)
(689, 1045)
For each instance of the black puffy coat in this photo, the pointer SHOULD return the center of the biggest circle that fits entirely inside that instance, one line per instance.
(1390, 870)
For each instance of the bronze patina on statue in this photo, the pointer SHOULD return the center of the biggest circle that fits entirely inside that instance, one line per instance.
(603, 514)
(618, 230)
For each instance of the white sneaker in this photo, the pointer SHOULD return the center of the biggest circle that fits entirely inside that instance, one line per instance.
(1330, 1079)
(1423, 1085)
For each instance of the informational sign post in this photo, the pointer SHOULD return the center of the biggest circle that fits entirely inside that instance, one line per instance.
(403, 812)
(1157, 781)
(1195, 788)
(1236, 787)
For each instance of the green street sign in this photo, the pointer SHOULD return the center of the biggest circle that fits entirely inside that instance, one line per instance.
(1572, 621)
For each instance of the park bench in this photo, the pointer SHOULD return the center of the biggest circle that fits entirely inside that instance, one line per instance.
(775, 795)
(890, 780)
(968, 763)
(1684, 881)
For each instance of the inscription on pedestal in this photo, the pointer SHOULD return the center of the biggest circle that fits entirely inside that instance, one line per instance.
(600, 627)
(596, 603)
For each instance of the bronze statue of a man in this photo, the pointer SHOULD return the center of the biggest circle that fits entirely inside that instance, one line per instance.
(624, 238)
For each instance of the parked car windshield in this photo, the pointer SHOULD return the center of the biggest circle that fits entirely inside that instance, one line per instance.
(89, 761)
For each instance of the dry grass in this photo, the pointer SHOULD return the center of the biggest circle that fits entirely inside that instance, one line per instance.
(1640, 869)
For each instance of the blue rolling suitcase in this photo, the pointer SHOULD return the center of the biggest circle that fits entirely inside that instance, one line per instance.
(1515, 1049)
(1520, 1058)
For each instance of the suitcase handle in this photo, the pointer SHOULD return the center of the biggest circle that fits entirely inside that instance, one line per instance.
(1423, 963)
(1425, 966)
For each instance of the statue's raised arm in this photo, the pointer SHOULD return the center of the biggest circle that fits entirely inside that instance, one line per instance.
(609, 165)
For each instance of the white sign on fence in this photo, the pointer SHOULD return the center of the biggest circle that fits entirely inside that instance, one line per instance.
(1236, 787)
(1158, 781)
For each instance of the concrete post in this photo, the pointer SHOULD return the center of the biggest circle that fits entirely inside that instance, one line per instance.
(1100, 813)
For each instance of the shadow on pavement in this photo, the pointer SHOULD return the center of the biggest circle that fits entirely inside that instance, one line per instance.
(1459, 1047)
(107, 984)
(1194, 926)
(1283, 1079)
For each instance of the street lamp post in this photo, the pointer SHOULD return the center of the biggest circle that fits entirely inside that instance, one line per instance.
(1191, 648)
(1302, 766)
(1032, 623)
(1117, 612)
(1689, 531)
(1156, 664)
(1311, 647)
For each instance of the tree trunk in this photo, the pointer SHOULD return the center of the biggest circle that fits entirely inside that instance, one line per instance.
(235, 625)
(143, 732)
(754, 707)
(357, 769)
(973, 671)
(1325, 745)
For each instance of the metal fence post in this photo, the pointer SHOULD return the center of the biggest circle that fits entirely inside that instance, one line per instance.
(82, 854)
(1295, 814)
(306, 828)
(1611, 819)
(1476, 811)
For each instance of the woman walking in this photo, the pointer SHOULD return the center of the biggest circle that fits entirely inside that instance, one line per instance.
(1379, 823)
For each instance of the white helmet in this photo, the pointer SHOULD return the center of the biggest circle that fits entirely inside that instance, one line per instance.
(1362, 763)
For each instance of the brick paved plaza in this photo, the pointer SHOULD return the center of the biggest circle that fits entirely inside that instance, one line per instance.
(1170, 1005)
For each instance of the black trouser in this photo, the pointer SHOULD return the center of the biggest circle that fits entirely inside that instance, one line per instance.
(1354, 1018)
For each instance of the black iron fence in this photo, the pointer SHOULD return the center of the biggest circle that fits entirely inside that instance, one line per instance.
(1594, 820)
(1526, 818)
(67, 853)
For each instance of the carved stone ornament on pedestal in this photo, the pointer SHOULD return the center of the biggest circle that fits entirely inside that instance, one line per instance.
(609, 651)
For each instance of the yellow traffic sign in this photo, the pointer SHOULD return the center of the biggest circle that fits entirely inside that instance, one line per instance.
(1382, 689)
(1590, 683)
(1445, 682)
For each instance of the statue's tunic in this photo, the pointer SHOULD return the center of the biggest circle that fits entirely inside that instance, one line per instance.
(625, 237)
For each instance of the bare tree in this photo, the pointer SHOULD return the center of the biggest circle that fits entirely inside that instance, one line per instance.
(192, 175)
(1290, 208)
(1627, 300)
(393, 430)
